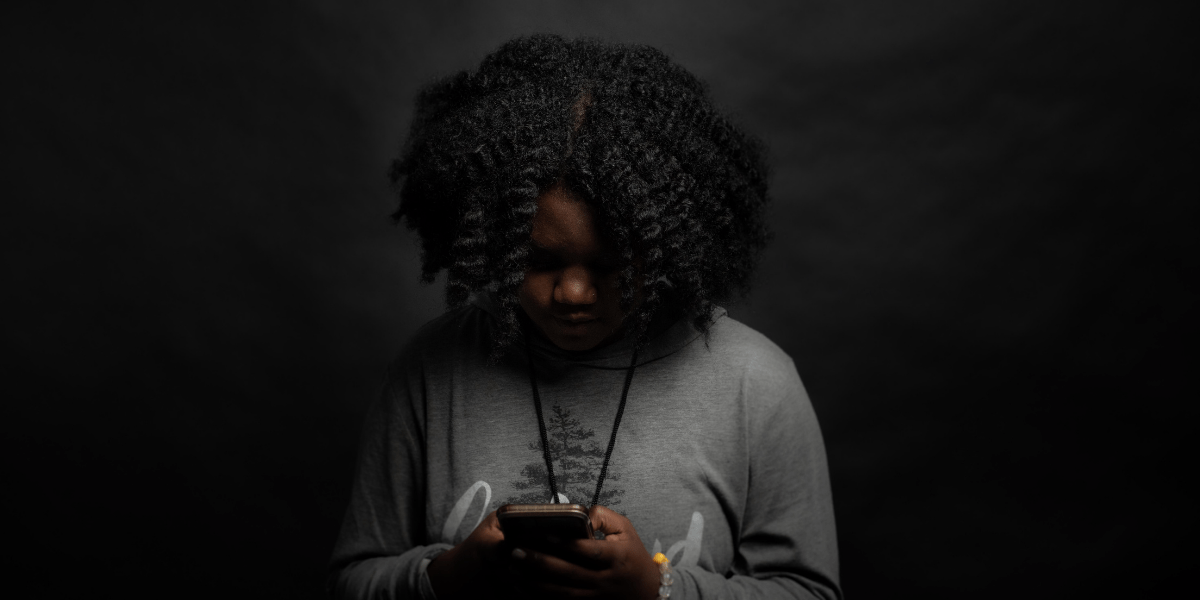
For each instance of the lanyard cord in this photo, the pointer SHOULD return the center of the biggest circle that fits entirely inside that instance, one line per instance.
(612, 440)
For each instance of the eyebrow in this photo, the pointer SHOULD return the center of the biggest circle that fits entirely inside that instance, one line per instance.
(536, 247)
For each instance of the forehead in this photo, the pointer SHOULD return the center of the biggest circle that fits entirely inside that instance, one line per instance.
(565, 222)
(567, 227)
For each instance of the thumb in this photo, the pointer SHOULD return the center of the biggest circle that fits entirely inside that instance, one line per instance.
(614, 526)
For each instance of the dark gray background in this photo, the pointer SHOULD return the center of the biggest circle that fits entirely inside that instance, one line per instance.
(984, 270)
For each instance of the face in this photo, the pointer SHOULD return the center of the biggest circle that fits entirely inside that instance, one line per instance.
(571, 290)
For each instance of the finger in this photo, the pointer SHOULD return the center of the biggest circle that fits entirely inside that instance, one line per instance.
(591, 554)
(490, 539)
(491, 520)
(547, 568)
(610, 522)
(491, 523)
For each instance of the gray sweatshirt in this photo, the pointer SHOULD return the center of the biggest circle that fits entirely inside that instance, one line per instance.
(718, 461)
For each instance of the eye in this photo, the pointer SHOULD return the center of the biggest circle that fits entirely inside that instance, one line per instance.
(605, 267)
(540, 260)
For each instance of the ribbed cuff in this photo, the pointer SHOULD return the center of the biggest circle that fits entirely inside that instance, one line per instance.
(424, 586)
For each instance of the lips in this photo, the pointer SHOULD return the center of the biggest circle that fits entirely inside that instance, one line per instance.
(575, 319)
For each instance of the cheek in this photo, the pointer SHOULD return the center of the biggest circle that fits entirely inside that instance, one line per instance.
(536, 291)
(612, 295)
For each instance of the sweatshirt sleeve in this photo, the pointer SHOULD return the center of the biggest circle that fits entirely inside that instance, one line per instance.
(380, 551)
(787, 547)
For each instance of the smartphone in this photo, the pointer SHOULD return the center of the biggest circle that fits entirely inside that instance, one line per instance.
(538, 524)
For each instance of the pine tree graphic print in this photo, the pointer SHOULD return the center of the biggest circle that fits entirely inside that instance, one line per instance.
(577, 461)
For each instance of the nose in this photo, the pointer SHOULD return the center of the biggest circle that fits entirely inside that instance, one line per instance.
(575, 286)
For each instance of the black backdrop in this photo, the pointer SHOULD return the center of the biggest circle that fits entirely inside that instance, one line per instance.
(984, 270)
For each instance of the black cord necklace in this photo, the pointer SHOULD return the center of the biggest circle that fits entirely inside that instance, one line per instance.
(612, 440)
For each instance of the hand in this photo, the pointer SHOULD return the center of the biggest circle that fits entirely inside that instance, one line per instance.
(616, 567)
(471, 569)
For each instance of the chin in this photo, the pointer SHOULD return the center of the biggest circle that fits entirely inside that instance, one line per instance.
(575, 344)
(577, 341)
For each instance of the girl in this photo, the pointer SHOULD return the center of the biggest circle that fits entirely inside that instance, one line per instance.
(590, 206)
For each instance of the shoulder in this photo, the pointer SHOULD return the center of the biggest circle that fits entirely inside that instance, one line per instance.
(741, 347)
(764, 376)
(452, 347)
(769, 386)
(458, 336)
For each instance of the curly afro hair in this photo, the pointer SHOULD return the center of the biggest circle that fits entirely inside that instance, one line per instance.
(675, 185)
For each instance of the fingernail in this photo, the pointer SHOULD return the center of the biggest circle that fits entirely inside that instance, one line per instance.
(518, 554)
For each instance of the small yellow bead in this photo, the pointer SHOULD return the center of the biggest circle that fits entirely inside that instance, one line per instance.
(660, 558)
